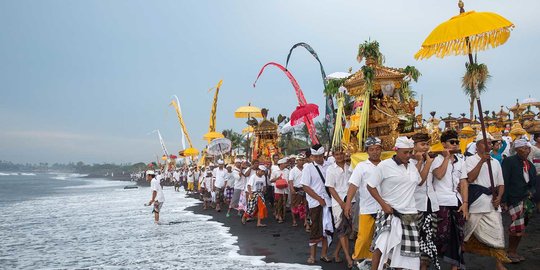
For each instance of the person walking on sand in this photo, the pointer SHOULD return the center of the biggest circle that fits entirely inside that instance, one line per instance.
(298, 201)
(396, 231)
(452, 189)
(520, 181)
(219, 183)
(426, 201)
(281, 172)
(337, 177)
(256, 186)
(158, 198)
(368, 206)
(239, 182)
(207, 187)
(484, 234)
(319, 202)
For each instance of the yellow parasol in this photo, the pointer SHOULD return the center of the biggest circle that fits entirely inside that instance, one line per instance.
(190, 152)
(247, 112)
(212, 135)
(465, 34)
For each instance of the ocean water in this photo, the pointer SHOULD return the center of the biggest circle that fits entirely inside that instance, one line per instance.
(60, 221)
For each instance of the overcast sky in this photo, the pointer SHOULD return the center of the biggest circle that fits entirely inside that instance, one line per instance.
(88, 80)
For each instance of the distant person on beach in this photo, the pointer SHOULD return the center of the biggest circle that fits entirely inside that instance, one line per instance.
(452, 189)
(520, 182)
(319, 202)
(337, 177)
(157, 194)
(176, 180)
(229, 187)
(368, 206)
(207, 187)
(484, 233)
(239, 181)
(190, 180)
(392, 184)
(298, 203)
(256, 186)
(426, 201)
(280, 194)
(219, 183)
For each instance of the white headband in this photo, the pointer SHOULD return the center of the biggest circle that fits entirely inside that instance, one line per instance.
(404, 142)
(320, 151)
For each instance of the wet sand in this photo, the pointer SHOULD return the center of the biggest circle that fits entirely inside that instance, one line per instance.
(286, 244)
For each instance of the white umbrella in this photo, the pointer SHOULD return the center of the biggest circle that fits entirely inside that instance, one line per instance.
(219, 146)
(288, 128)
(338, 75)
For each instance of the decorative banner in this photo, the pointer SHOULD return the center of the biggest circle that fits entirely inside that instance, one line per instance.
(176, 105)
(212, 125)
(299, 95)
(165, 152)
(329, 108)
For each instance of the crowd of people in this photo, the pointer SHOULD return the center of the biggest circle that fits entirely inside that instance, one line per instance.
(416, 210)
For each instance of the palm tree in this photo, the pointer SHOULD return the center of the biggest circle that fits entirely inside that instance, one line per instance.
(412, 74)
(475, 78)
(322, 133)
(235, 137)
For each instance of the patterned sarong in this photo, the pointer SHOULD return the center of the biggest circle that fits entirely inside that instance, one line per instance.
(410, 238)
(428, 227)
(256, 204)
(449, 238)
(517, 213)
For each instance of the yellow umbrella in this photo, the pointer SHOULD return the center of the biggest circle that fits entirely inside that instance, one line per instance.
(212, 135)
(482, 29)
(191, 152)
(247, 112)
(465, 34)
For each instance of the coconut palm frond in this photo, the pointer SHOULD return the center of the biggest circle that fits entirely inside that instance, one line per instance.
(370, 49)
(412, 73)
(332, 87)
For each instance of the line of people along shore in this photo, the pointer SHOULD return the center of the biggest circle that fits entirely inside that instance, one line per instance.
(415, 210)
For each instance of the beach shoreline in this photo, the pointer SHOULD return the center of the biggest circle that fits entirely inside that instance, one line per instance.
(282, 243)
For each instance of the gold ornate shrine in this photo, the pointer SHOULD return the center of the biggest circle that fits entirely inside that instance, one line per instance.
(266, 139)
(391, 107)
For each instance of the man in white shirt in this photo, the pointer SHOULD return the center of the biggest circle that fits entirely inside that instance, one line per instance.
(190, 180)
(368, 206)
(219, 183)
(426, 201)
(337, 177)
(256, 186)
(483, 231)
(449, 176)
(396, 234)
(318, 202)
(298, 201)
(157, 194)
(176, 180)
(238, 184)
(207, 187)
(281, 172)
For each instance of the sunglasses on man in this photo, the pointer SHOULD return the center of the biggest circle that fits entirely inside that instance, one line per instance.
(454, 142)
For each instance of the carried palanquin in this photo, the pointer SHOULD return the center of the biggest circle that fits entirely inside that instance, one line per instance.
(384, 105)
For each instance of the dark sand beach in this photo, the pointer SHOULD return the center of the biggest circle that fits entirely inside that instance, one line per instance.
(286, 244)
